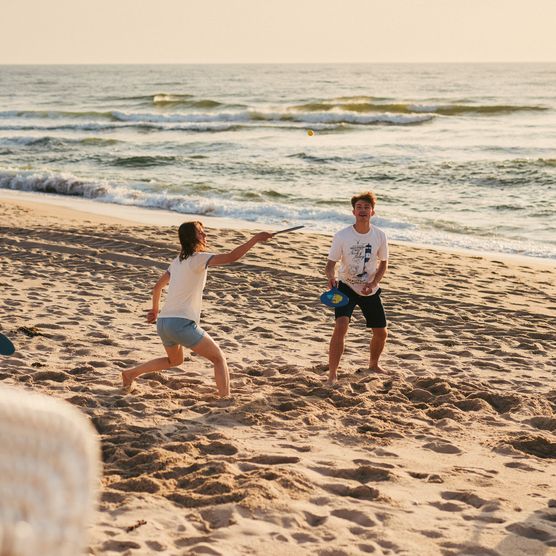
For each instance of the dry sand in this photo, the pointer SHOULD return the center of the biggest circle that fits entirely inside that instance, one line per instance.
(452, 452)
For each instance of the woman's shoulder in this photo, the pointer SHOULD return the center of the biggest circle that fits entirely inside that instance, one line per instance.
(197, 260)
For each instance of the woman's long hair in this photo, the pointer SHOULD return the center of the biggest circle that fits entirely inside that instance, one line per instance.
(188, 238)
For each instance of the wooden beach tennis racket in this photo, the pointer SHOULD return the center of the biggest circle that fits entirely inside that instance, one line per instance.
(287, 230)
(6, 346)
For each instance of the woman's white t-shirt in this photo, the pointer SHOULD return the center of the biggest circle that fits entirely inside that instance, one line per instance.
(185, 291)
(359, 255)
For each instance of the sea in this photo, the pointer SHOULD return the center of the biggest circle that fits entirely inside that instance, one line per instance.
(459, 155)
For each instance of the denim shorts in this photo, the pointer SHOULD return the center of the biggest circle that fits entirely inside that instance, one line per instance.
(174, 330)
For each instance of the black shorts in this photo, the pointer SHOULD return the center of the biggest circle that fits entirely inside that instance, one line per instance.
(371, 305)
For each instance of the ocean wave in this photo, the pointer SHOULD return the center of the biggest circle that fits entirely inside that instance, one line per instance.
(316, 159)
(143, 161)
(226, 116)
(49, 142)
(136, 126)
(56, 114)
(74, 127)
(217, 205)
(344, 117)
(50, 182)
(188, 101)
(97, 141)
(162, 98)
(364, 107)
(57, 142)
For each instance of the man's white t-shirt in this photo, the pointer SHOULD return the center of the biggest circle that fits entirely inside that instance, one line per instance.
(185, 291)
(359, 255)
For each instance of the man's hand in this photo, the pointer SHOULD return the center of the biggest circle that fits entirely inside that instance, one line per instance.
(368, 288)
(332, 283)
(151, 316)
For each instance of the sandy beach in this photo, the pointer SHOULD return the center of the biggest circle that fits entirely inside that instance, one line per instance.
(451, 452)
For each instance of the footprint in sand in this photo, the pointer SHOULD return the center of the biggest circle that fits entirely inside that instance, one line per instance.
(535, 445)
(362, 474)
(520, 465)
(531, 532)
(465, 497)
(442, 447)
(315, 520)
(56, 376)
(361, 492)
(297, 448)
(273, 460)
(218, 448)
(354, 516)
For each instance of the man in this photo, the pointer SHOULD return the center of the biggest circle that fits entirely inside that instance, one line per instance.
(362, 250)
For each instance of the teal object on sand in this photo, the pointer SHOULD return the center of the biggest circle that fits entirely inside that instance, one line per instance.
(6, 346)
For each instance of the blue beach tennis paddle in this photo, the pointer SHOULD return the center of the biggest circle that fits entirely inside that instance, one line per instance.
(334, 298)
(6, 347)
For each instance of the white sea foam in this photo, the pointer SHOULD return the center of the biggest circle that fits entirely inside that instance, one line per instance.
(68, 184)
(265, 213)
(203, 117)
(52, 182)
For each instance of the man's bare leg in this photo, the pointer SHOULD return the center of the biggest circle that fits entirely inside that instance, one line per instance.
(175, 358)
(378, 342)
(336, 349)
(208, 348)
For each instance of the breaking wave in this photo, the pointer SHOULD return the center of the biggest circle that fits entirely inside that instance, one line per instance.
(364, 106)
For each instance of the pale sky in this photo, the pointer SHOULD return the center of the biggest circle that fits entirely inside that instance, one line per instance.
(271, 31)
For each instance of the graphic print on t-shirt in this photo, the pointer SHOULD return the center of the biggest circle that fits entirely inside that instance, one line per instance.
(361, 255)
(367, 257)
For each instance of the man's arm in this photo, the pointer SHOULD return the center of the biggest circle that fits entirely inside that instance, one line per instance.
(381, 270)
(330, 272)
(238, 252)
(163, 281)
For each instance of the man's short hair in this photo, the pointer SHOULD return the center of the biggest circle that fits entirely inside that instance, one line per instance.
(368, 197)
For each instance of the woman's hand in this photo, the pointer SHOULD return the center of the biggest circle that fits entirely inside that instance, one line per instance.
(151, 316)
(262, 236)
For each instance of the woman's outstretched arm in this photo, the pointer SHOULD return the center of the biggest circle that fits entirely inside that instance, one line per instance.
(238, 252)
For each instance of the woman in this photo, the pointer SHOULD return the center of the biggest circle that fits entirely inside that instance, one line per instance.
(177, 323)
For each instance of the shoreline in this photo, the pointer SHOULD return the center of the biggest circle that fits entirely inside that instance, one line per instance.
(133, 215)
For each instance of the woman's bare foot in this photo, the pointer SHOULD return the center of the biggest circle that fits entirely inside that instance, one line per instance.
(127, 382)
(332, 379)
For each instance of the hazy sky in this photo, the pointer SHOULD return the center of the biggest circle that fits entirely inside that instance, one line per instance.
(201, 31)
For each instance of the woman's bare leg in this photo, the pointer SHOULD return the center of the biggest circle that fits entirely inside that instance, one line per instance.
(175, 358)
(208, 348)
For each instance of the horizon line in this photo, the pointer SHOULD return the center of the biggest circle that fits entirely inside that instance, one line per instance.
(271, 63)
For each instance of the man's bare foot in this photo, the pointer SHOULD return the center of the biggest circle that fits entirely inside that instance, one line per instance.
(332, 379)
(376, 368)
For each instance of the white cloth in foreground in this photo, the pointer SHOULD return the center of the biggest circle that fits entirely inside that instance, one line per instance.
(49, 475)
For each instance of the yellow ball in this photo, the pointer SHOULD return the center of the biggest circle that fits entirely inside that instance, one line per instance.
(310, 132)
